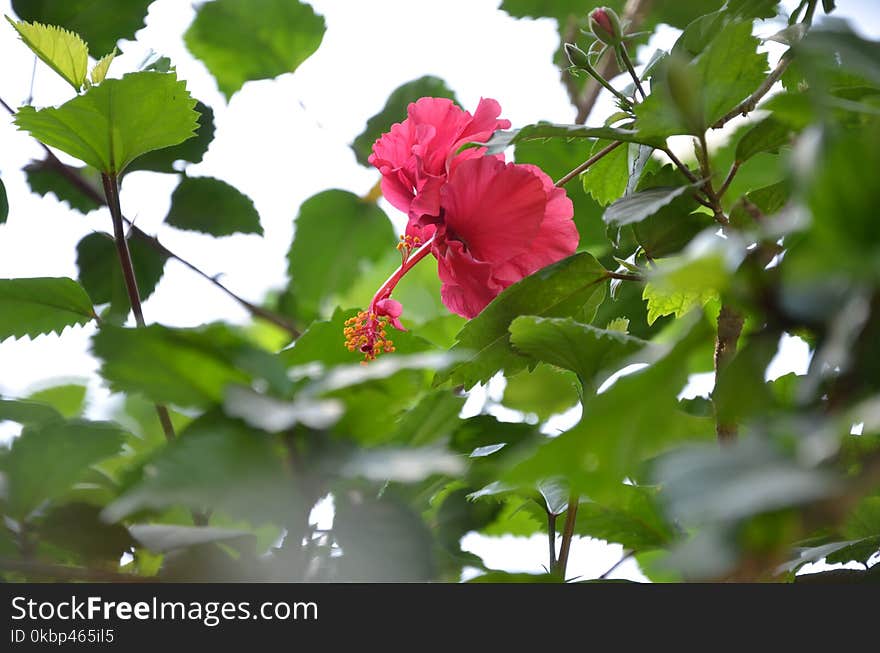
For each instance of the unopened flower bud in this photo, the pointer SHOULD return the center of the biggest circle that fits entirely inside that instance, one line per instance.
(577, 57)
(605, 25)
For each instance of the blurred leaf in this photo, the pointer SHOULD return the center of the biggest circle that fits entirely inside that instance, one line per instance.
(337, 236)
(275, 415)
(101, 274)
(606, 180)
(864, 521)
(68, 399)
(705, 483)
(162, 538)
(581, 348)
(4, 203)
(48, 458)
(509, 577)
(30, 307)
(766, 136)
(740, 391)
(726, 72)
(100, 22)
(634, 521)
(77, 527)
(544, 391)
(185, 367)
(637, 417)
(571, 287)
(191, 150)
(394, 111)
(63, 51)
(43, 178)
(382, 540)
(113, 123)
(28, 411)
(432, 419)
(212, 207)
(214, 462)
(240, 41)
(403, 465)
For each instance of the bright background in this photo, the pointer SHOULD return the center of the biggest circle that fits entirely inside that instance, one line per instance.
(281, 141)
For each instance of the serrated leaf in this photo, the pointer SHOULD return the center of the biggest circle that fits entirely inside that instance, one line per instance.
(606, 180)
(578, 347)
(337, 236)
(725, 72)
(113, 123)
(766, 136)
(100, 22)
(31, 307)
(101, 274)
(238, 42)
(99, 72)
(63, 51)
(48, 458)
(190, 151)
(665, 301)
(501, 140)
(641, 205)
(570, 287)
(634, 520)
(394, 111)
(213, 207)
(633, 420)
(185, 367)
(214, 462)
(44, 178)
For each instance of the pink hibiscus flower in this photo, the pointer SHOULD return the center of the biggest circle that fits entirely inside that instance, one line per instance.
(418, 154)
(496, 223)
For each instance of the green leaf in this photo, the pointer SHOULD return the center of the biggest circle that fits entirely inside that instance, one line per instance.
(185, 367)
(43, 177)
(501, 140)
(214, 462)
(571, 287)
(28, 411)
(77, 527)
(239, 42)
(641, 205)
(767, 136)
(213, 207)
(864, 521)
(725, 72)
(671, 229)
(162, 538)
(633, 420)
(395, 111)
(99, 72)
(48, 458)
(663, 300)
(606, 180)
(4, 203)
(101, 274)
(100, 22)
(634, 520)
(31, 307)
(581, 348)
(68, 399)
(191, 150)
(337, 236)
(433, 418)
(543, 391)
(63, 51)
(113, 123)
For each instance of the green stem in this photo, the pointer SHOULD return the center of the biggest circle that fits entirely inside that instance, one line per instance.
(567, 534)
(632, 71)
(589, 162)
(551, 539)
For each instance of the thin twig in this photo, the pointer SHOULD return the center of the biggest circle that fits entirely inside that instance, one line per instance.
(730, 325)
(551, 538)
(589, 162)
(626, 556)
(625, 276)
(750, 103)
(93, 194)
(730, 175)
(567, 534)
(632, 71)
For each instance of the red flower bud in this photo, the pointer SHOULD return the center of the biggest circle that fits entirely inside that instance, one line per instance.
(605, 25)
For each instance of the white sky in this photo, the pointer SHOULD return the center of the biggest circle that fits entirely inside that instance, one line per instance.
(281, 141)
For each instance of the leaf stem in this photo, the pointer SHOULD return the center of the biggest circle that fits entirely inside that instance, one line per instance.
(589, 162)
(632, 71)
(730, 175)
(730, 325)
(551, 538)
(625, 276)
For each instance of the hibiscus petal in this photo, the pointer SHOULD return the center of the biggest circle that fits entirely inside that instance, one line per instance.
(468, 285)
